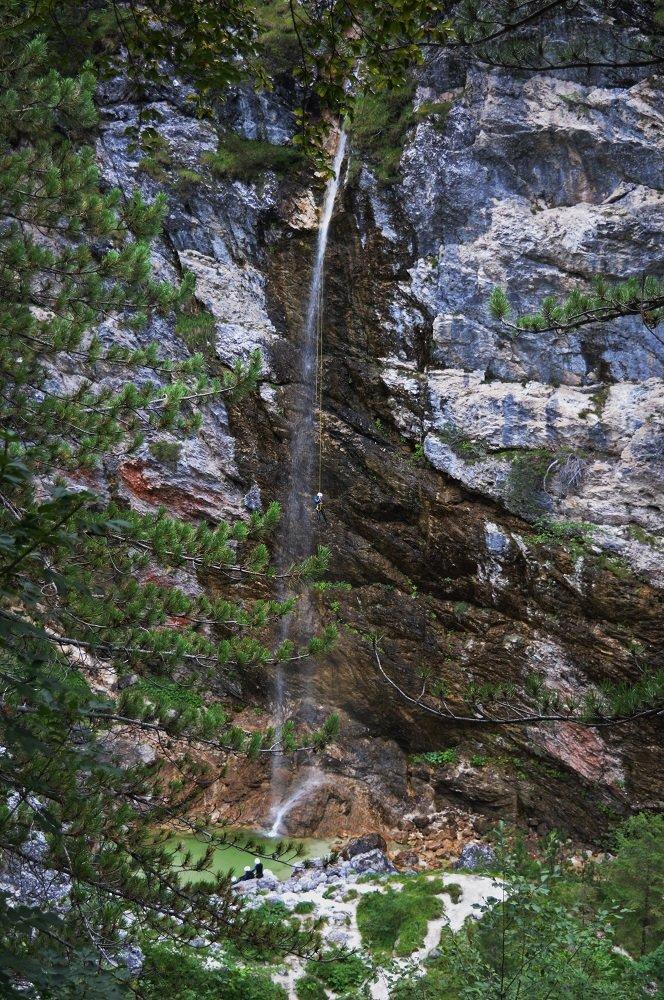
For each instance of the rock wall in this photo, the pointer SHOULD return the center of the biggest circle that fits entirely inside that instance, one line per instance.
(445, 439)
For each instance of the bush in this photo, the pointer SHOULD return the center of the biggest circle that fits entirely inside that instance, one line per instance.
(304, 906)
(454, 891)
(245, 159)
(635, 879)
(309, 988)
(181, 975)
(166, 451)
(339, 971)
(396, 922)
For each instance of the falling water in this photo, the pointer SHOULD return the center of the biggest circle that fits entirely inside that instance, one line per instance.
(284, 807)
(297, 537)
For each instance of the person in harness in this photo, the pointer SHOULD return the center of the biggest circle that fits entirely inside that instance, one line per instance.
(318, 506)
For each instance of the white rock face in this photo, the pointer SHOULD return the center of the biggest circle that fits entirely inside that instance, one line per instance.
(536, 185)
(616, 440)
(235, 295)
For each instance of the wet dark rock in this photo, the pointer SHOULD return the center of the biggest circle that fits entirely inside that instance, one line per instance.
(252, 500)
(362, 845)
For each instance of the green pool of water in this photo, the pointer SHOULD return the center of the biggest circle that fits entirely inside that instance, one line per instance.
(241, 852)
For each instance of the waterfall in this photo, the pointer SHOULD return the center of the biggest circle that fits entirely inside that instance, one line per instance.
(298, 512)
(297, 537)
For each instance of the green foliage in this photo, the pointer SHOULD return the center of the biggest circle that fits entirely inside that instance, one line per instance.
(533, 939)
(379, 125)
(396, 922)
(418, 456)
(615, 565)
(605, 301)
(86, 586)
(634, 879)
(467, 449)
(309, 988)
(196, 327)
(339, 971)
(454, 891)
(157, 160)
(278, 40)
(304, 906)
(639, 534)
(550, 532)
(435, 111)
(181, 974)
(437, 758)
(245, 159)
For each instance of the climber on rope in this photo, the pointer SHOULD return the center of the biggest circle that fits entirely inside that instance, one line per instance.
(318, 506)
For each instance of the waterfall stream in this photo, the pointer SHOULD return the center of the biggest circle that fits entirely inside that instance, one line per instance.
(297, 537)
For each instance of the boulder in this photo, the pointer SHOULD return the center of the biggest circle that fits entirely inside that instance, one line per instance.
(372, 863)
(362, 845)
(407, 859)
(475, 856)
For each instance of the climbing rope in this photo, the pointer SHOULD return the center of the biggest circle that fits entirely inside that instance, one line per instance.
(319, 382)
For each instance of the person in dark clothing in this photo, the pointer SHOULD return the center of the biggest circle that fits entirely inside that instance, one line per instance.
(258, 868)
(246, 876)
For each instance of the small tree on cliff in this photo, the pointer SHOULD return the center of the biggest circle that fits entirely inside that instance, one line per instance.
(634, 878)
(80, 825)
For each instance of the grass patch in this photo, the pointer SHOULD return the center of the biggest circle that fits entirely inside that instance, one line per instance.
(245, 159)
(614, 564)
(599, 398)
(197, 329)
(392, 922)
(437, 111)
(186, 179)
(379, 127)
(304, 906)
(277, 38)
(573, 534)
(454, 891)
(166, 451)
(158, 158)
(467, 449)
(639, 534)
(351, 895)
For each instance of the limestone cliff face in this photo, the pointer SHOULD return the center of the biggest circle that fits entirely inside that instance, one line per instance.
(444, 438)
